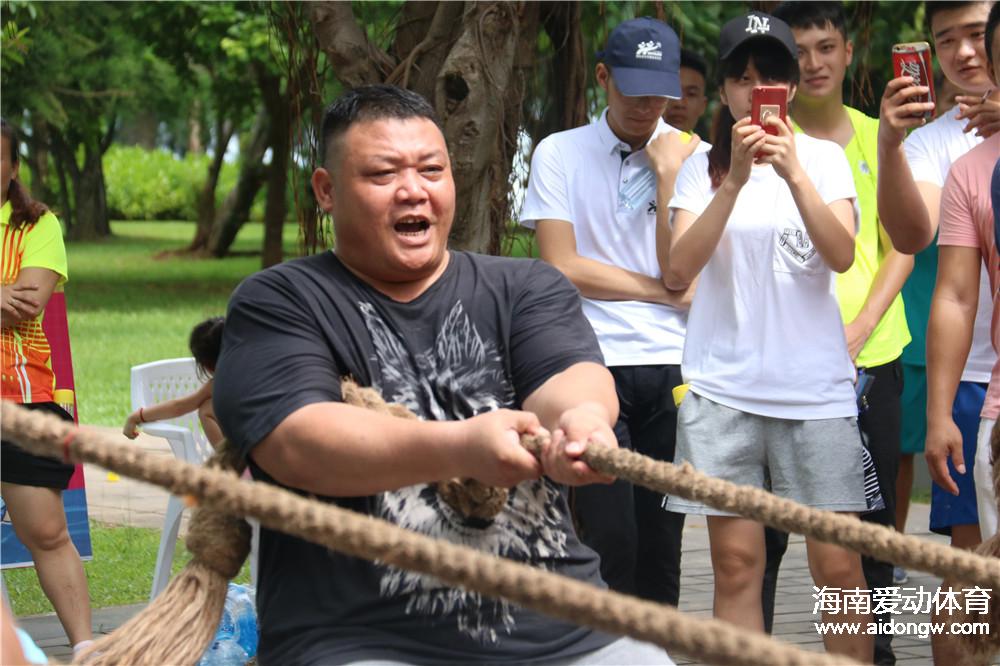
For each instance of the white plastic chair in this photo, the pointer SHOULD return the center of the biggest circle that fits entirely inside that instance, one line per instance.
(153, 383)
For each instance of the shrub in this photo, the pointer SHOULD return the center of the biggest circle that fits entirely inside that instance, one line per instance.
(157, 185)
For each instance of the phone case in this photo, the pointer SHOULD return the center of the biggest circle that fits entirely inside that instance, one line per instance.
(766, 101)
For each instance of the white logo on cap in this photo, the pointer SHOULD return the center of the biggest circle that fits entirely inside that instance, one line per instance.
(649, 51)
(758, 24)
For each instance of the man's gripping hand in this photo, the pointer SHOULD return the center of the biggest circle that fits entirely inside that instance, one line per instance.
(490, 448)
(587, 422)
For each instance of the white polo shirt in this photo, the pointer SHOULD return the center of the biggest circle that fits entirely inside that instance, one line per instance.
(586, 176)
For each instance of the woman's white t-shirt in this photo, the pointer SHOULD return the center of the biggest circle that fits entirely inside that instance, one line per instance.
(765, 334)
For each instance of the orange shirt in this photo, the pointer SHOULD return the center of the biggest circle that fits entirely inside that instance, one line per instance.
(27, 372)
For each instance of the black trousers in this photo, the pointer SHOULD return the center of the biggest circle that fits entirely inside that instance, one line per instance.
(880, 425)
(639, 542)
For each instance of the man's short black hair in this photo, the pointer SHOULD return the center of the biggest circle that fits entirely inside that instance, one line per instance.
(805, 15)
(692, 60)
(372, 102)
(936, 6)
(991, 28)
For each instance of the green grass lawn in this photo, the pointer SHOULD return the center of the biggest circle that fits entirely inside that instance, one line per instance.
(127, 307)
(121, 572)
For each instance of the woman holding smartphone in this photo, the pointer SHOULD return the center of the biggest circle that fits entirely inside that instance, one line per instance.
(763, 221)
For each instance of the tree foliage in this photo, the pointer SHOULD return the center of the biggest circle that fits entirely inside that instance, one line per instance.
(502, 75)
(79, 71)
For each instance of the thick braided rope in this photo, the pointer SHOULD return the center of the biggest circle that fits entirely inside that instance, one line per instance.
(877, 541)
(363, 536)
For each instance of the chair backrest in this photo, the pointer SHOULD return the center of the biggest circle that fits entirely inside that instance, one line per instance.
(158, 381)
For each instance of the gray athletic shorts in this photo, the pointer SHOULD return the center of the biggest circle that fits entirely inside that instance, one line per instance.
(818, 463)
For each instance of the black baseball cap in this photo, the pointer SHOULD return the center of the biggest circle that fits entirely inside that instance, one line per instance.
(756, 25)
(644, 56)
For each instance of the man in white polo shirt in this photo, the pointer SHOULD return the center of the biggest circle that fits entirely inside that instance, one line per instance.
(592, 199)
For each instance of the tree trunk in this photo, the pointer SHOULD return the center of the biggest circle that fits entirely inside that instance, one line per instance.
(421, 59)
(90, 198)
(472, 88)
(355, 61)
(38, 161)
(236, 208)
(276, 207)
(570, 64)
(206, 198)
(62, 156)
(194, 144)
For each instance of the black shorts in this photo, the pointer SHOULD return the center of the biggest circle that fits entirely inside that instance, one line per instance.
(26, 469)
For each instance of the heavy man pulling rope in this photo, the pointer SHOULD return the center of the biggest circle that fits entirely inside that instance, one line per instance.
(153, 637)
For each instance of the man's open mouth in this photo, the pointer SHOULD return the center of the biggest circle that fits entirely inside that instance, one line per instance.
(412, 226)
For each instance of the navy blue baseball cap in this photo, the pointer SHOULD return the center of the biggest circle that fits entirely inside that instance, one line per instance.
(644, 56)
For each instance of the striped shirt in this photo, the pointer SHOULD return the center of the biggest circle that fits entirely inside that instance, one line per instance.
(27, 372)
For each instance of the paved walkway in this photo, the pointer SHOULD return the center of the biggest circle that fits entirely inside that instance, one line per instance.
(135, 503)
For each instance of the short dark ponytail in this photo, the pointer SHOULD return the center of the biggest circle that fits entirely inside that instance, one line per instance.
(206, 344)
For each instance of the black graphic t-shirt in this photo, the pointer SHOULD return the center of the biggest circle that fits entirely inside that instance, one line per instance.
(484, 336)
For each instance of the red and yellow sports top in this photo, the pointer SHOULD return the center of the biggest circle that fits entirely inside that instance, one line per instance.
(27, 370)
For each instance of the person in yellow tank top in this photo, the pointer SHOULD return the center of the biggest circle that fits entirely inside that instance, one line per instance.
(869, 292)
(32, 265)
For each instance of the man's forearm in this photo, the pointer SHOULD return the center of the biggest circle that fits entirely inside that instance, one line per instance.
(949, 338)
(901, 207)
(889, 280)
(605, 282)
(339, 450)
(589, 385)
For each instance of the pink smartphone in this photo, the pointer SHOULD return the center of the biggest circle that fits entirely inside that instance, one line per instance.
(768, 101)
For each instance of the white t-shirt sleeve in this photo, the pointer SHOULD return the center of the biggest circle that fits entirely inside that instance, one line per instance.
(547, 197)
(693, 187)
(831, 173)
(924, 161)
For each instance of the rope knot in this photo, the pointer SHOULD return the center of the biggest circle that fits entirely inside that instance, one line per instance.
(219, 540)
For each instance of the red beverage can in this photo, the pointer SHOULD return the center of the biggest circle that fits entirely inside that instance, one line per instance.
(914, 59)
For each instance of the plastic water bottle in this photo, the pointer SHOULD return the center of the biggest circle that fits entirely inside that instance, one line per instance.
(235, 641)
(244, 613)
(224, 652)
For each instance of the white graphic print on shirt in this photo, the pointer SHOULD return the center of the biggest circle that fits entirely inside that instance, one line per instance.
(459, 377)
